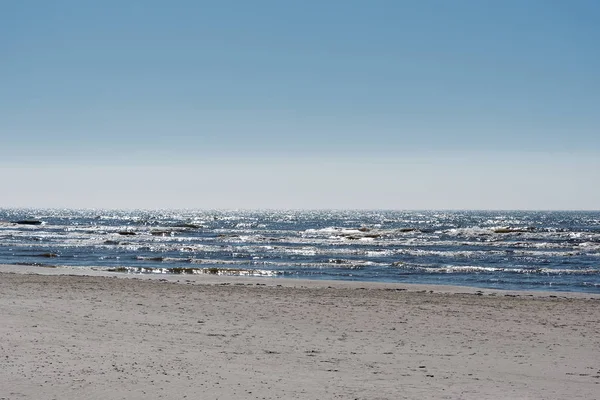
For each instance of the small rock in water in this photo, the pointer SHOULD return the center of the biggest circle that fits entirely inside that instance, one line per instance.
(188, 225)
(404, 230)
(162, 233)
(48, 255)
(29, 222)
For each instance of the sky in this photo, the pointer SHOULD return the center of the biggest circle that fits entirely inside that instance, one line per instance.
(382, 104)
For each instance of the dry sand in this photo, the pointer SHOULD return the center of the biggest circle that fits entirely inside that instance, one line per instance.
(201, 337)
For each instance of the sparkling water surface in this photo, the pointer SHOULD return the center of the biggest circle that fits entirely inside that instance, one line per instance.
(489, 249)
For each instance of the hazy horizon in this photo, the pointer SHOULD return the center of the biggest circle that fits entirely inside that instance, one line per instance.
(395, 105)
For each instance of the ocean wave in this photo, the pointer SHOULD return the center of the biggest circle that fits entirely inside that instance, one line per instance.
(482, 269)
(191, 270)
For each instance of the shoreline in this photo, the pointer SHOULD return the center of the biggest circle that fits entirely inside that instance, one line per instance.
(213, 279)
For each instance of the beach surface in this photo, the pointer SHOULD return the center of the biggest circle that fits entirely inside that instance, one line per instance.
(68, 333)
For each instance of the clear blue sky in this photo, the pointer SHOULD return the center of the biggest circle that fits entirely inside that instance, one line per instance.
(300, 104)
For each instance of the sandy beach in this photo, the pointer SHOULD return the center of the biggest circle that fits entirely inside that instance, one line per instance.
(68, 334)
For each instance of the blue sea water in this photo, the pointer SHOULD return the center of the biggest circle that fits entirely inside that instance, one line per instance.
(521, 250)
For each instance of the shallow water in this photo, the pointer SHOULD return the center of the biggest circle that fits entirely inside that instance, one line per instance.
(500, 249)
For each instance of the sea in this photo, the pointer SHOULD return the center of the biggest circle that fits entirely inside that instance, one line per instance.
(516, 250)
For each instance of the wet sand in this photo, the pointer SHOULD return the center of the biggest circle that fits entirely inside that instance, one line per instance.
(72, 334)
